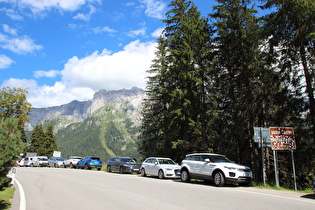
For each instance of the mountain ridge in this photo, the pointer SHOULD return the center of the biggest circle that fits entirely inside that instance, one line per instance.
(107, 125)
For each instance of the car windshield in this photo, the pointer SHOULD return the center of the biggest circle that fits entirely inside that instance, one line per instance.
(127, 160)
(166, 161)
(219, 159)
(60, 159)
(95, 158)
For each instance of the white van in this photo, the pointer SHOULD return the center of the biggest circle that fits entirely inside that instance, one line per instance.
(32, 161)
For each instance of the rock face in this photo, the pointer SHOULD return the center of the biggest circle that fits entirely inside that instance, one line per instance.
(77, 111)
(106, 126)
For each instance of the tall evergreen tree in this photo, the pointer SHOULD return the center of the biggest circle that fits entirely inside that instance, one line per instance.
(240, 74)
(290, 30)
(37, 137)
(50, 142)
(179, 85)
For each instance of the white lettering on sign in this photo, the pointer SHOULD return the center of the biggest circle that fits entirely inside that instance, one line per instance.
(282, 138)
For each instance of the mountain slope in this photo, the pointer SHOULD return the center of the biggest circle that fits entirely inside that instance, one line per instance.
(106, 126)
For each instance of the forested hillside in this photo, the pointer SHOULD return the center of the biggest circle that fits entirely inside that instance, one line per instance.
(217, 77)
(111, 130)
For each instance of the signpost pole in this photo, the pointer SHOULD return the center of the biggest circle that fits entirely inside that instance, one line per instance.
(275, 159)
(262, 156)
(293, 166)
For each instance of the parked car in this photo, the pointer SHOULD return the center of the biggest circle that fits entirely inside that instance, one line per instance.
(21, 162)
(28, 161)
(314, 185)
(123, 165)
(32, 161)
(72, 161)
(56, 162)
(214, 167)
(89, 162)
(41, 161)
(161, 167)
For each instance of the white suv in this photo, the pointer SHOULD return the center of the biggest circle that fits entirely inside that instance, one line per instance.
(214, 167)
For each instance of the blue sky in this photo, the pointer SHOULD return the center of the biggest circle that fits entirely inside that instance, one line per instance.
(64, 50)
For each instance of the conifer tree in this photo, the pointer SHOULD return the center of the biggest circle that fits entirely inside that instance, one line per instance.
(239, 74)
(50, 142)
(180, 85)
(290, 31)
(37, 137)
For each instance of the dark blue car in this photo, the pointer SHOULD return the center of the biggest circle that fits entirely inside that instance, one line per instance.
(89, 162)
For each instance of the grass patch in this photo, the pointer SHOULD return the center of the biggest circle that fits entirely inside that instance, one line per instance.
(5, 197)
(273, 187)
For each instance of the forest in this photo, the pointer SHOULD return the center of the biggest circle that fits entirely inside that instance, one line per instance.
(214, 78)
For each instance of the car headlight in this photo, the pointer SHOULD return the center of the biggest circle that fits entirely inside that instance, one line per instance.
(230, 168)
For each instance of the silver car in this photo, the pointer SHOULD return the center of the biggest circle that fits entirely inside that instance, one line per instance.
(160, 167)
(56, 162)
(72, 161)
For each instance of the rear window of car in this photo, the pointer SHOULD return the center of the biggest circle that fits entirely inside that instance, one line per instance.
(166, 161)
(127, 160)
(95, 158)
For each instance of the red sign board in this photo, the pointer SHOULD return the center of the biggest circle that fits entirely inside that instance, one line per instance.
(282, 138)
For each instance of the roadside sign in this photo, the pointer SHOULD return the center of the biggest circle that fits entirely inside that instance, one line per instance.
(262, 136)
(282, 138)
(57, 154)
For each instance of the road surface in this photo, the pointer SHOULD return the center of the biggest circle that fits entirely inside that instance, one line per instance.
(59, 188)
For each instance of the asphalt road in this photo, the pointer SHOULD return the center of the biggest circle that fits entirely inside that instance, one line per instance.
(58, 189)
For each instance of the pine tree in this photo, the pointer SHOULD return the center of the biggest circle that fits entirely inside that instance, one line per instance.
(239, 79)
(37, 138)
(179, 86)
(290, 30)
(50, 142)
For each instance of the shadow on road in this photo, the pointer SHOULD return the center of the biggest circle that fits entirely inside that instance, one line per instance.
(309, 196)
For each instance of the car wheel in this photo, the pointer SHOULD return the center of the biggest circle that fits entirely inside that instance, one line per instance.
(86, 167)
(71, 165)
(219, 179)
(143, 172)
(98, 169)
(55, 165)
(109, 169)
(121, 170)
(161, 174)
(184, 176)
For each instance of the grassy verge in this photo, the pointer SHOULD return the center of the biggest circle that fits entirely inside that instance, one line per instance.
(5, 197)
(273, 187)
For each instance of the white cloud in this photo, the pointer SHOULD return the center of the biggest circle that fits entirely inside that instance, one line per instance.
(98, 30)
(158, 32)
(154, 8)
(41, 5)
(86, 17)
(19, 45)
(139, 32)
(47, 96)
(51, 73)
(12, 13)
(81, 78)
(123, 69)
(9, 30)
(5, 61)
